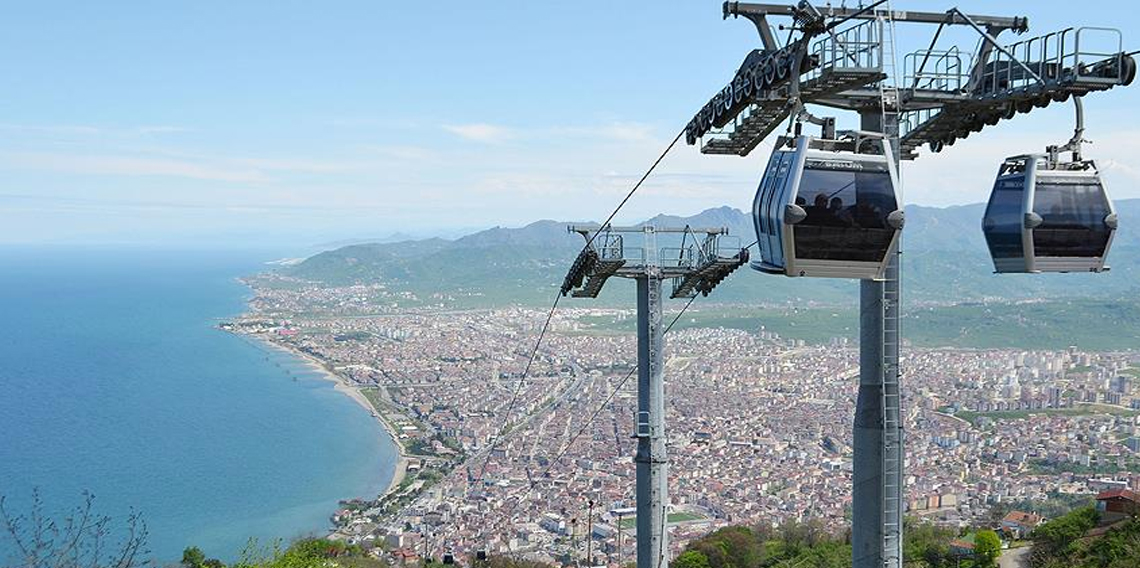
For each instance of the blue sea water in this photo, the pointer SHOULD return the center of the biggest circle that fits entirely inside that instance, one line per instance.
(113, 379)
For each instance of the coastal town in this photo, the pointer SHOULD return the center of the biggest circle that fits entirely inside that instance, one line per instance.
(759, 425)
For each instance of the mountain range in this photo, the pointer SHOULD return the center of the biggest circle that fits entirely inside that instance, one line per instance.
(945, 261)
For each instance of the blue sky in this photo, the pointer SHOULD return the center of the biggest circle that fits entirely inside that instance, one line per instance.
(300, 122)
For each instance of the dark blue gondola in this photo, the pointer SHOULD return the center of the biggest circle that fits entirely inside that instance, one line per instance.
(1049, 216)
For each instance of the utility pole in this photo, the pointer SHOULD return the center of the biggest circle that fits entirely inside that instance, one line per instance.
(619, 531)
(574, 540)
(697, 266)
(590, 534)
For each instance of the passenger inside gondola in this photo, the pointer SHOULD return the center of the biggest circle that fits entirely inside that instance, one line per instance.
(848, 216)
(838, 215)
(817, 213)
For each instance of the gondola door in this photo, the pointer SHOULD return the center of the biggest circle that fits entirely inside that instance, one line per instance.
(1005, 223)
(767, 212)
(1073, 221)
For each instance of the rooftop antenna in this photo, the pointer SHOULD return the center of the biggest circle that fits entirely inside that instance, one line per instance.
(840, 60)
(694, 267)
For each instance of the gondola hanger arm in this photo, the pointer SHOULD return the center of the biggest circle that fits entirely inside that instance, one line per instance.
(1074, 143)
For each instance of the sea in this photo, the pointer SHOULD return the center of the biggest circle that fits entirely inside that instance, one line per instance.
(114, 380)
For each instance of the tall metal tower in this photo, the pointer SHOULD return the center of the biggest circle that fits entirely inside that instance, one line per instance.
(844, 58)
(696, 266)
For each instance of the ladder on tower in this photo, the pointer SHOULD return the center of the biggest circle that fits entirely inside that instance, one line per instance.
(892, 433)
(889, 92)
(891, 403)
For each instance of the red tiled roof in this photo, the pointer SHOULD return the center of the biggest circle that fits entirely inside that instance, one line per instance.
(1022, 518)
(1119, 493)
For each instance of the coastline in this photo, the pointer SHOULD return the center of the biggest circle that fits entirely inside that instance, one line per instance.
(341, 385)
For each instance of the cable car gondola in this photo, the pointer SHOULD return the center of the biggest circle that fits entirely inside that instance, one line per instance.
(1050, 215)
(1045, 216)
(828, 207)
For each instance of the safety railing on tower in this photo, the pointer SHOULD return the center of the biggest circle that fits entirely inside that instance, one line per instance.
(857, 47)
(1085, 56)
(946, 70)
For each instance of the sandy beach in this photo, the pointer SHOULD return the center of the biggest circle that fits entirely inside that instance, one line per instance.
(344, 387)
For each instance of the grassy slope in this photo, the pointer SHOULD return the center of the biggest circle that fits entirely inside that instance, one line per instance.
(1088, 324)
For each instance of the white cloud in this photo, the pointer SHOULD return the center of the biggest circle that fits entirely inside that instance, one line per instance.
(160, 129)
(481, 132)
(632, 132)
(128, 166)
(403, 153)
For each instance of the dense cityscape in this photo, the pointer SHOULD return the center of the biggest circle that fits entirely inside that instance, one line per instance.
(759, 426)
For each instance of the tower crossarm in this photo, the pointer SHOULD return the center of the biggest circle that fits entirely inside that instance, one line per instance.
(1014, 79)
(995, 23)
(837, 60)
(704, 257)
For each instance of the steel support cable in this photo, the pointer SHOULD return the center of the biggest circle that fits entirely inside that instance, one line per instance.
(636, 186)
(664, 504)
(558, 296)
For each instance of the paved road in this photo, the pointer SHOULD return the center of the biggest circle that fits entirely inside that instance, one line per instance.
(1015, 558)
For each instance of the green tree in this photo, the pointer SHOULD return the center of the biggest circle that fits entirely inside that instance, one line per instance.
(692, 559)
(987, 548)
(1058, 538)
(730, 547)
(193, 557)
(927, 543)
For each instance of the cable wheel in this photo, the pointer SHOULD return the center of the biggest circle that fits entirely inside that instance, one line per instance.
(1127, 70)
(758, 80)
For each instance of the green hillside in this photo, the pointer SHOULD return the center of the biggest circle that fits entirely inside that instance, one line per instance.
(1097, 325)
(1073, 541)
(952, 297)
(945, 260)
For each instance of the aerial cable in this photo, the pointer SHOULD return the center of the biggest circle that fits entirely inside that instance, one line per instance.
(636, 186)
(550, 315)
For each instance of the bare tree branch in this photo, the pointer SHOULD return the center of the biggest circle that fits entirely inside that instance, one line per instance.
(78, 540)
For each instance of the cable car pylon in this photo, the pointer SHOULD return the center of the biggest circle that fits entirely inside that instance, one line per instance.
(840, 60)
(698, 265)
